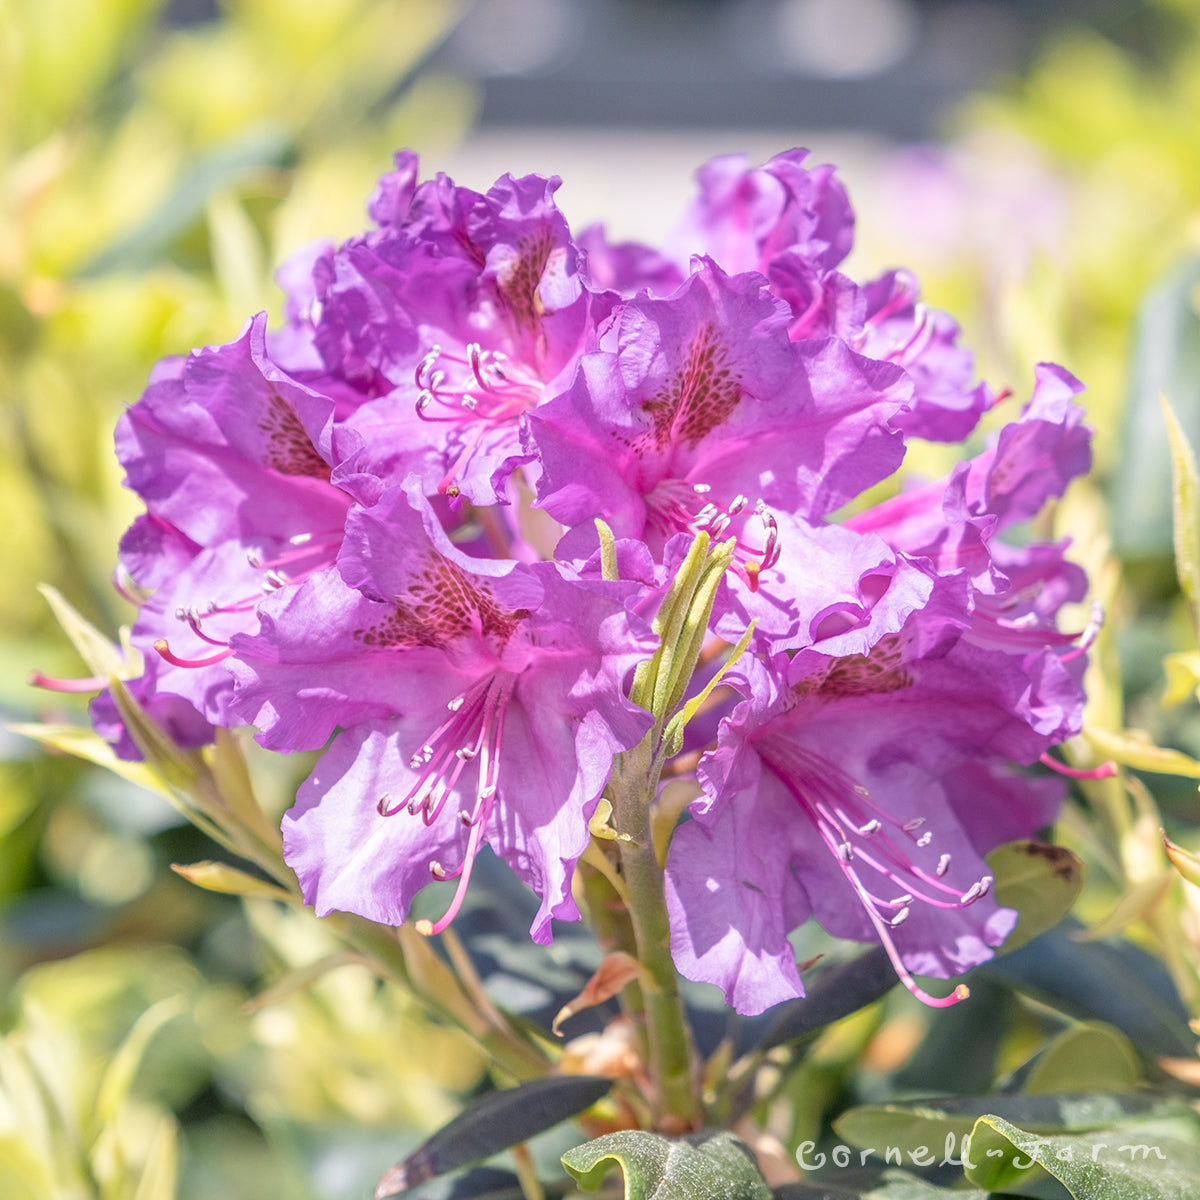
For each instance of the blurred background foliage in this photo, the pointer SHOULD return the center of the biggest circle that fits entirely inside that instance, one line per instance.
(158, 165)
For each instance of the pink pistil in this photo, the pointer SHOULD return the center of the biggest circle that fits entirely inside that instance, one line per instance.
(1104, 771)
(165, 651)
(91, 684)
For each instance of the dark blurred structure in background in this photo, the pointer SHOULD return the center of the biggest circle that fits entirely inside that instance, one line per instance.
(887, 66)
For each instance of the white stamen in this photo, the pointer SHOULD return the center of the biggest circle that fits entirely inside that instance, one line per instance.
(455, 704)
(924, 839)
(900, 917)
(300, 539)
(943, 865)
(914, 824)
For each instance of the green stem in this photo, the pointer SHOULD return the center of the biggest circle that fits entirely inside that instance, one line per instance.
(632, 790)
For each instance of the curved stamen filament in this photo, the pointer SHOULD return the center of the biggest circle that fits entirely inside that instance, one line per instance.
(165, 652)
(472, 733)
(861, 837)
(671, 508)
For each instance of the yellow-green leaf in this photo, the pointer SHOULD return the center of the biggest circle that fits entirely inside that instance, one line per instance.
(1183, 676)
(221, 877)
(1133, 748)
(1184, 861)
(1138, 902)
(1041, 882)
(1186, 498)
(86, 744)
(1091, 1056)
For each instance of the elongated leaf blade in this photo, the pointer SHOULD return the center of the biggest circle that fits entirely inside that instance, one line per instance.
(837, 992)
(1166, 359)
(494, 1123)
(1185, 483)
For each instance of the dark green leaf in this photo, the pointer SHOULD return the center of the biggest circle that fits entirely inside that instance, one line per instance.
(1041, 882)
(892, 1185)
(1115, 982)
(705, 1166)
(899, 1185)
(935, 1125)
(837, 992)
(1166, 360)
(480, 1183)
(1152, 1161)
(494, 1123)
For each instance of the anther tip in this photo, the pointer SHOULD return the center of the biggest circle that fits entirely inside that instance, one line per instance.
(962, 992)
(424, 927)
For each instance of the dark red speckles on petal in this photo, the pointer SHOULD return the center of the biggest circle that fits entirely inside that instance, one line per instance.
(700, 397)
(289, 449)
(441, 607)
(519, 283)
(862, 674)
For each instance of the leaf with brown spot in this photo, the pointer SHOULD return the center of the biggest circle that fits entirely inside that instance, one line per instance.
(1040, 881)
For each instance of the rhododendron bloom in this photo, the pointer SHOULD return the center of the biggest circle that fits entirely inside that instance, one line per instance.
(491, 476)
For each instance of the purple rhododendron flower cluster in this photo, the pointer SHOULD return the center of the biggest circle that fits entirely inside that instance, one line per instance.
(373, 530)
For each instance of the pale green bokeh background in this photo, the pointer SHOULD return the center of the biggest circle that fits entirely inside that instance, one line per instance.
(153, 179)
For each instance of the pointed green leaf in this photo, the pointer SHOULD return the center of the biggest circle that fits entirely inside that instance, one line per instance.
(1090, 1057)
(89, 745)
(1135, 1161)
(1041, 882)
(1184, 861)
(494, 1123)
(1186, 505)
(1134, 749)
(705, 1166)
(101, 655)
(837, 991)
(221, 877)
(176, 765)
